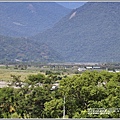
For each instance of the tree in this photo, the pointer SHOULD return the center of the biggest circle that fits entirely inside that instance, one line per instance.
(6, 102)
(83, 93)
(91, 89)
(16, 81)
(39, 78)
(54, 108)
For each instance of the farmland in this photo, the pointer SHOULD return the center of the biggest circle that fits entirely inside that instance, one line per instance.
(41, 88)
(5, 73)
(24, 70)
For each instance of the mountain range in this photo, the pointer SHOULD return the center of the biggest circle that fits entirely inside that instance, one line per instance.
(23, 50)
(89, 33)
(29, 18)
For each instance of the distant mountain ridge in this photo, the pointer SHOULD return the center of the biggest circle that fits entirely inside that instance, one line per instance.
(88, 34)
(23, 49)
(29, 18)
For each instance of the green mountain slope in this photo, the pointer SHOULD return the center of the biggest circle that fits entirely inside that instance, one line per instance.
(22, 49)
(29, 18)
(90, 33)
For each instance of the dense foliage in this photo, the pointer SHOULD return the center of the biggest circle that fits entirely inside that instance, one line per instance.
(24, 49)
(79, 94)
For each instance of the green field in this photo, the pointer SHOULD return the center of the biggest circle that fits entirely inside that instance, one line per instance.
(5, 74)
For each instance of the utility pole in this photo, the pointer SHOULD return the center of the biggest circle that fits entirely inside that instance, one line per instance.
(64, 108)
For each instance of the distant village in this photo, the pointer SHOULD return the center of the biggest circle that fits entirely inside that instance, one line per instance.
(80, 67)
(74, 68)
(110, 67)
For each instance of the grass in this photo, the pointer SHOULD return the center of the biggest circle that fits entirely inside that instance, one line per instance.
(5, 74)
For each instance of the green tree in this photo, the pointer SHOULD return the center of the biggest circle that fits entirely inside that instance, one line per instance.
(54, 108)
(91, 89)
(6, 102)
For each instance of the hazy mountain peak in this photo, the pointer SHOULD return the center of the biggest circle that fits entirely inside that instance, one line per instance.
(29, 18)
(89, 33)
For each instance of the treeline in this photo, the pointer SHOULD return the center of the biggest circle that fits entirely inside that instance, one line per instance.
(79, 96)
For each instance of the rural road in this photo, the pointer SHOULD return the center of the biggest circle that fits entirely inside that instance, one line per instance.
(3, 84)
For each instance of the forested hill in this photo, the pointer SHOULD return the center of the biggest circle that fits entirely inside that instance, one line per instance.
(29, 18)
(23, 49)
(89, 33)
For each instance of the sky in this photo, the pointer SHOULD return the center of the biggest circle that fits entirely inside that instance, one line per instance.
(71, 4)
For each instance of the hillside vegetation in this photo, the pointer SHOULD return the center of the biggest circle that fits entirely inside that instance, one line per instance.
(23, 49)
(89, 33)
(90, 95)
(29, 18)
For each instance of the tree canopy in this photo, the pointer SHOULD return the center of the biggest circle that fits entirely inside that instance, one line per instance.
(91, 94)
